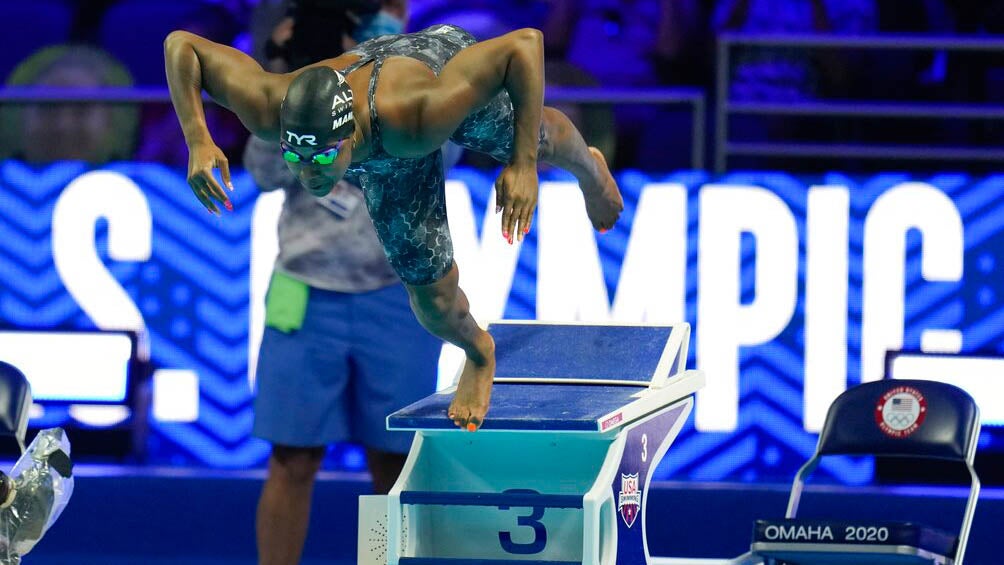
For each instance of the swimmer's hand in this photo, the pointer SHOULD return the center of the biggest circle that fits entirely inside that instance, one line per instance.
(516, 197)
(203, 157)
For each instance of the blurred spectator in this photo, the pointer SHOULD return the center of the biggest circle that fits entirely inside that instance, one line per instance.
(625, 43)
(92, 132)
(778, 75)
(392, 17)
(87, 19)
(682, 46)
(161, 139)
(853, 17)
(637, 43)
(845, 71)
(909, 75)
(332, 27)
(772, 74)
(482, 18)
(594, 121)
(976, 76)
(32, 26)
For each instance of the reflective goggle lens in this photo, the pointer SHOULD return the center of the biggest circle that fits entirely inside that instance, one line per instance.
(325, 157)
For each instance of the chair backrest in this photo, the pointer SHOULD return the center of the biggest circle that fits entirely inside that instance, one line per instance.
(908, 418)
(15, 402)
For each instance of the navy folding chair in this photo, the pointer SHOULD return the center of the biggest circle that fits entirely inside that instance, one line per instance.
(896, 418)
(15, 403)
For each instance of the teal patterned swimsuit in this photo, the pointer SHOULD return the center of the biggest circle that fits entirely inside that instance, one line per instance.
(406, 198)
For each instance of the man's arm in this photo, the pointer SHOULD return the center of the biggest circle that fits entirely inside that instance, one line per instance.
(233, 80)
(419, 120)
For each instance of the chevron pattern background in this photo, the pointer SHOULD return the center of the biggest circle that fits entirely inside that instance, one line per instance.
(193, 294)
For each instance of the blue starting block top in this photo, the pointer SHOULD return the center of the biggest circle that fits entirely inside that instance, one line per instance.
(552, 407)
(555, 377)
(535, 352)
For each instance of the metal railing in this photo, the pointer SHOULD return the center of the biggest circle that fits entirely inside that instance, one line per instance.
(725, 107)
(692, 98)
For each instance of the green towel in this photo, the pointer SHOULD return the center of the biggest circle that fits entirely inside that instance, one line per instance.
(286, 303)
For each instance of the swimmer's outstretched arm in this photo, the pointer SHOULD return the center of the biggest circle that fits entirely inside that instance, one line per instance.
(233, 80)
(424, 115)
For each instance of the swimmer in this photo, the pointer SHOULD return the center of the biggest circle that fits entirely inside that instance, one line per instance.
(378, 115)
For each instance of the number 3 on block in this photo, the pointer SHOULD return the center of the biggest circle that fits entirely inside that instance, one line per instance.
(539, 541)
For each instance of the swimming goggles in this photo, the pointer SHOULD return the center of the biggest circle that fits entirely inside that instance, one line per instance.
(322, 157)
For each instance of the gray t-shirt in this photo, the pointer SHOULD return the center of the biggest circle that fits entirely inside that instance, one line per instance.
(327, 244)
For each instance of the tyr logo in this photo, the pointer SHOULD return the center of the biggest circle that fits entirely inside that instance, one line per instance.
(300, 139)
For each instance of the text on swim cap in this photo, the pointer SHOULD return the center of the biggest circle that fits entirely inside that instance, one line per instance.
(341, 99)
(338, 122)
(297, 139)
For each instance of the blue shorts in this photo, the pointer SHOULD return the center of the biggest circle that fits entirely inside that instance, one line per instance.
(357, 358)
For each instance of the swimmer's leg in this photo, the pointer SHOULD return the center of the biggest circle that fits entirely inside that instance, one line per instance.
(408, 209)
(442, 308)
(490, 130)
(562, 145)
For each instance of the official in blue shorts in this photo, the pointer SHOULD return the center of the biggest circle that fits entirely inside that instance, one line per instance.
(341, 347)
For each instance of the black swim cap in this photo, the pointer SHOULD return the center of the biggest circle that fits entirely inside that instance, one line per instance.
(317, 108)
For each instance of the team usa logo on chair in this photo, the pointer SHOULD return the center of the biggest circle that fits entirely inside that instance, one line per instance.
(901, 411)
(629, 499)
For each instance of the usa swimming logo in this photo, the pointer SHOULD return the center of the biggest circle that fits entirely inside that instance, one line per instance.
(629, 499)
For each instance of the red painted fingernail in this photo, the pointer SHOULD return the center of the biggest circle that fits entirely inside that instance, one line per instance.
(510, 240)
(229, 205)
(604, 231)
(471, 427)
(505, 234)
(526, 229)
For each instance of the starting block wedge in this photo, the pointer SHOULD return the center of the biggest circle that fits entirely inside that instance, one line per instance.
(580, 415)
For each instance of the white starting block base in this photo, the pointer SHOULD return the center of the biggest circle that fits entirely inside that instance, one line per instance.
(559, 472)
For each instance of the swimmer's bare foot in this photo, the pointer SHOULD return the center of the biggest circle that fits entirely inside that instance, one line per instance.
(470, 401)
(603, 198)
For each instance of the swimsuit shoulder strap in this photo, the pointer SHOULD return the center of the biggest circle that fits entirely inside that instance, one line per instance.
(374, 121)
(371, 93)
(364, 59)
(372, 56)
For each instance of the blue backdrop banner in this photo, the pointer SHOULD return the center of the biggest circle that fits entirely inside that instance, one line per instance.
(795, 287)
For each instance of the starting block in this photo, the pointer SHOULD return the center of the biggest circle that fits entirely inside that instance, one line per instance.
(580, 415)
